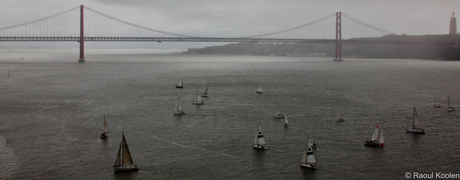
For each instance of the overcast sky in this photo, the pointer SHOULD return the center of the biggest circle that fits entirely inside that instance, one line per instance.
(247, 17)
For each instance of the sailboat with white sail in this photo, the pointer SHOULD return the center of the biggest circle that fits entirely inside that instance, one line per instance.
(339, 119)
(436, 104)
(181, 83)
(278, 114)
(377, 139)
(449, 108)
(124, 160)
(177, 109)
(197, 99)
(285, 120)
(308, 158)
(260, 91)
(416, 125)
(259, 141)
(206, 93)
(106, 129)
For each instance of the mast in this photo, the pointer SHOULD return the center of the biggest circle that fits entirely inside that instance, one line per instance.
(106, 129)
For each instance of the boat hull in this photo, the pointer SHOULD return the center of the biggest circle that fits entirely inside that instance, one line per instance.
(126, 168)
(415, 131)
(372, 144)
(309, 166)
(259, 147)
(450, 109)
(259, 92)
(179, 87)
(340, 120)
(203, 95)
(103, 135)
(279, 117)
(199, 103)
(179, 113)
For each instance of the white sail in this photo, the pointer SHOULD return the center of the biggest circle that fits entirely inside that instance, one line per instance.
(179, 108)
(381, 141)
(260, 136)
(106, 129)
(285, 119)
(260, 88)
(181, 82)
(310, 157)
(376, 133)
(415, 120)
(304, 157)
(198, 98)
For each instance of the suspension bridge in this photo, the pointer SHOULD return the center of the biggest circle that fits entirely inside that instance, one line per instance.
(82, 24)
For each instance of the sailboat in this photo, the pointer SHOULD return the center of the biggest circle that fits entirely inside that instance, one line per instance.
(8, 71)
(197, 99)
(285, 121)
(181, 83)
(206, 93)
(124, 160)
(178, 110)
(278, 114)
(416, 126)
(436, 104)
(339, 119)
(259, 141)
(308, 159)
(260, 91)
(106, 129)
(377, 138)
(449, 109)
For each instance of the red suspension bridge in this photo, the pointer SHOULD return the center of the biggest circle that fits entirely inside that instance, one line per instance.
(79, 25)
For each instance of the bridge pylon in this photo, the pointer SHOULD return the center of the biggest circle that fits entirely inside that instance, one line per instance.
(82, 43)
(338, 36)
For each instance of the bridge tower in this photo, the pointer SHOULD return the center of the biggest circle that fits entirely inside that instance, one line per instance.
(82, 43)
(453, 24)
(338, 36)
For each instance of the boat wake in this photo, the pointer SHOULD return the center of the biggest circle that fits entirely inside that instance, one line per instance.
(192, 147)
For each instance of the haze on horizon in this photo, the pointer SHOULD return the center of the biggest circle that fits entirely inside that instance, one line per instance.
(235, 18)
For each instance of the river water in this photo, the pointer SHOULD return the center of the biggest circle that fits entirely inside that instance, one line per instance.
(52, 108)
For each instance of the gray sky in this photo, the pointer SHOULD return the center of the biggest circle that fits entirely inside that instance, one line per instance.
(244, 17)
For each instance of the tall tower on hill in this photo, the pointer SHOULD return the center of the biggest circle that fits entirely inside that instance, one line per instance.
(453, 24)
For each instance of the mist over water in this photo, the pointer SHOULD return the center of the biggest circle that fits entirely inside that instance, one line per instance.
(52, 107)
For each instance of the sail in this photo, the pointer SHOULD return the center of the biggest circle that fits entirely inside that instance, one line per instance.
(198, 97)
(206, 91)
(285, 119)
(310, 157)
(376, 132)
(126, 155)
(260, 88)
(304, 157)
(118, 161)
(106, 129)
(381, 141)
(178, 104)
(181, 82)
(416, 122)
(176, 108)
(260, 137)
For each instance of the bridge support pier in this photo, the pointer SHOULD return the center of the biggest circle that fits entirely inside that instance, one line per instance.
(82, 43)
(338, 36)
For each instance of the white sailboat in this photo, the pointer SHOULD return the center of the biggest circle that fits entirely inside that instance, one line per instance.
(181, 83)
(197, 99)
(106, 129)
(177, 109)
(124, 160)
(339, 119)
(436, 104)
(285, 120)
(259, 141)
(416, 125)
(308, 158)
(206, 93)
(449, 109)
(260, 91)
(377, 138)
(278, 114)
